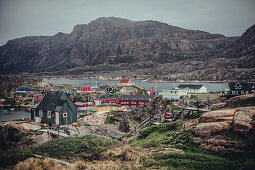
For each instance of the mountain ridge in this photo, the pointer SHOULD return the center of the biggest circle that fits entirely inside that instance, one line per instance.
(108, 43)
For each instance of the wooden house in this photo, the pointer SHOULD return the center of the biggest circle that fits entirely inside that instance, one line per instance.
(238, 88)
(174, 94)
(108, 107)
(86, 89)
(55, 108)
(125, 82)
(41, 82)
(111, 90)
(193, 88)
(110, 100)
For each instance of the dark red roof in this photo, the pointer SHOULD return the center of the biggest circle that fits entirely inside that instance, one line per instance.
(124, 80)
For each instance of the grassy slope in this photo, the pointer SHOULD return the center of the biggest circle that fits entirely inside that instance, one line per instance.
(158, 137)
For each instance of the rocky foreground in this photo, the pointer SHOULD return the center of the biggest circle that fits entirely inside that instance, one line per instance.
(214, 129)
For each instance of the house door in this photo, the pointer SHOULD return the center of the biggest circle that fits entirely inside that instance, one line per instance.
(57, 118)
(34, 111)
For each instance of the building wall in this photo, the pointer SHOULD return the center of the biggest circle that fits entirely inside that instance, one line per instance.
(132, 103)
(174, 94)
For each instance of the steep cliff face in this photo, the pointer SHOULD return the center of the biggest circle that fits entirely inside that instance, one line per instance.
(108, 44)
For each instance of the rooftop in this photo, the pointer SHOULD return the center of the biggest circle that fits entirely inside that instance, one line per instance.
(190, 86)
(51, 100)
(136, 97)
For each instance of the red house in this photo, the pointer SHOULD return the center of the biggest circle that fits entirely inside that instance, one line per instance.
(81, 104)
(86, 89)
(17, 97)
(38, 98)
(134, 100)
(125, 81)
(110, 100)
(42, 89)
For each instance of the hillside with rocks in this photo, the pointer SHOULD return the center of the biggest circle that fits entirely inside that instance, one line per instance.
(114, 46)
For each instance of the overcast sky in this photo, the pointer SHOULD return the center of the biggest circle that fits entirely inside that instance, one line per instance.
(19, 18)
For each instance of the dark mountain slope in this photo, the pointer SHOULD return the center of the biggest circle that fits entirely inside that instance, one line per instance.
(147, 47)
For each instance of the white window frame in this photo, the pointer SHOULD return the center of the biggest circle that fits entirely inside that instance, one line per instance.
(40, 113)
(49, 114)
(238, 86)
(64, 114)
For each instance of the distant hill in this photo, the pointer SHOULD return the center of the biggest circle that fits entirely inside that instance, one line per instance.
(115, 47)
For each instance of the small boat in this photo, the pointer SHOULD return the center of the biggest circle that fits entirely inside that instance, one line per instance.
(4, 110)
(12, 109)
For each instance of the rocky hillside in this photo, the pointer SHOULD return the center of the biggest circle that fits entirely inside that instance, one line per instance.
(144, 47)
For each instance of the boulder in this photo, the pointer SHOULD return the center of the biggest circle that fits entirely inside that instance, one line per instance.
(92, 120)
(207, 129)
(218, 116)
(29, 127)
(244, 120)
(41, 139)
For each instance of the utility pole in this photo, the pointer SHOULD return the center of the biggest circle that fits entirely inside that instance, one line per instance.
(208, 104)
(197, 109)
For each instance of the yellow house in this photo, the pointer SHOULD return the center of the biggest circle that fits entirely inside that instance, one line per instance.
(102, 108)
(41, 82)
(108, 107)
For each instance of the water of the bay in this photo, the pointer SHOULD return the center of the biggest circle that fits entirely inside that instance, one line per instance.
(8, 114)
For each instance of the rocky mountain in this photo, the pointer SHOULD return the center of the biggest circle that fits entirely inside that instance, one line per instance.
(116, 47)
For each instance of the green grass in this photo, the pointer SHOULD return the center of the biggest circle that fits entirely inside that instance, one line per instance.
(109, 120)
(194, 157)
(157, 134)
(89, 147)
(190, 160)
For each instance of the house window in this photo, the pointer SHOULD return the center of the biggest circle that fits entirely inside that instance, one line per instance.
(238, 86)
(64, 114)
(40, 113)
(49, 114)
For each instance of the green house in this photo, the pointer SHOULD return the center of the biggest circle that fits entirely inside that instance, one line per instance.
(111, 90)
(55, 108)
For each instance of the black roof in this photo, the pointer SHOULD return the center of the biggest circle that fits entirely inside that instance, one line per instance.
(136, 97)
(244, 86)
(51, 100)
(190, 86)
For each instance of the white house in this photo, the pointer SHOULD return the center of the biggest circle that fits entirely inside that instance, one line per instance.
(193, 88)
(174, 94)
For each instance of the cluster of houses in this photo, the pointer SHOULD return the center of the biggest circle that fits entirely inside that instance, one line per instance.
(36, 93)
(56, 107)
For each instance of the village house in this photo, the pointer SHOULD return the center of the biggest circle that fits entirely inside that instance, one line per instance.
(125, 82)
(41, 82)
(239, 88)
(24, 89)
(108, 107)
(134, 100)
(42, 89)
(55, 108)
(193, 88)
(110, 100)
(110, 90)
(174, 94)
